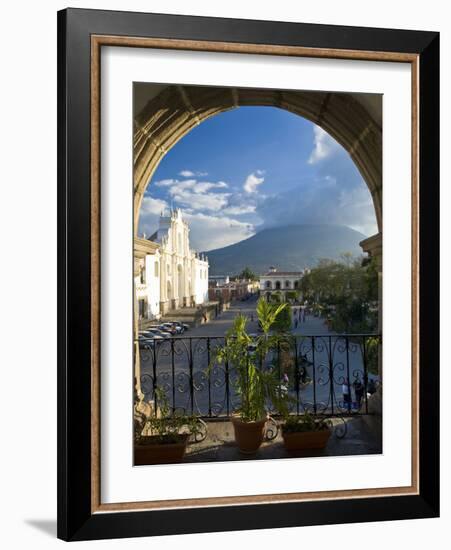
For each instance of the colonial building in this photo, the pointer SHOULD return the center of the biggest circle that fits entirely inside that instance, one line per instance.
(226, 291)
(168, 274)
(218, 280)
(281, 283)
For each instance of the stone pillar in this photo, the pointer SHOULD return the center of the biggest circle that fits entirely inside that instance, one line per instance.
(137, 359)
(373, 246)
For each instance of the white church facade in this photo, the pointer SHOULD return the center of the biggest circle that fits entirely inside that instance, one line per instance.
(168, 274)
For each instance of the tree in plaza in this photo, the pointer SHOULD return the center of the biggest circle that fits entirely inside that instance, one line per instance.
(346, 292)
(292, 295)
(277, 297)
(248, 274)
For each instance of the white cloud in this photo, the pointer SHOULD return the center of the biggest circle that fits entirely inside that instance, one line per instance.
(325, 201)
(165, 183)
(205, 186)
(240, 209)
(209, 232)
(324, 146)
(175, 186)
(253, 181)
(149, 214)
(196, 195)
(206, 201)
(190, 174)
(150, 205)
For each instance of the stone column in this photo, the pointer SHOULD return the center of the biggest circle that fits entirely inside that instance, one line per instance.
(373, 246)
(137, 359)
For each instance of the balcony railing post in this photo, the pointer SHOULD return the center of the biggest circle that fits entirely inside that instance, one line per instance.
(365, 374)
(191, 375)
(348, 376)
(296, 373)
(173, 374)
(331, 376)
(314, 375)
(209, 378)
(154, 376)
(279, 367)
(227, 381)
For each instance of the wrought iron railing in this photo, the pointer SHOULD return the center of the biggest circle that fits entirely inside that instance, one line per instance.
(330, 375)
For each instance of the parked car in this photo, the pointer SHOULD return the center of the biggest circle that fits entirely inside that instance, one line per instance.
(160, 332)
(151, 334)
(183, 325)
(174, 325)
(169, 327)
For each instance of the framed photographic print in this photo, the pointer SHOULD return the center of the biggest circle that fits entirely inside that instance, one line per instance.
(248, 274)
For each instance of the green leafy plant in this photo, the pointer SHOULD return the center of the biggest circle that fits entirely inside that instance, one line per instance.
(283, 320)
(256, 384)
(305, 423)
(165, 425)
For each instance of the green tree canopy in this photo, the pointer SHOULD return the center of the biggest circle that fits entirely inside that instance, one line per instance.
(248, 274)
(347, 291)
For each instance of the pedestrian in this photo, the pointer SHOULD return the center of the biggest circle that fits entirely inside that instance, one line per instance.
(372, 386)
(303, 375)
(252, 317)
(296, 323)
(358, 390)
(346, 395)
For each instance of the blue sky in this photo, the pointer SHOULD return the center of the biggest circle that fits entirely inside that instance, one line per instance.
(253, 168)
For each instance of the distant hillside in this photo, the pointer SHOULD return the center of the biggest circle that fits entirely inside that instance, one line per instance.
(289, 248)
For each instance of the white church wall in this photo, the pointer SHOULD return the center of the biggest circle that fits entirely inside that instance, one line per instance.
(201, 281)
(153, 285)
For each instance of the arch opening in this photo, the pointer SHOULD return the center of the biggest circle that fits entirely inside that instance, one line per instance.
(354, 123)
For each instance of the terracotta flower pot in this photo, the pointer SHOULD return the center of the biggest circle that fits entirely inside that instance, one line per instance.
(248, 435)
(299, 441)
(150, 450)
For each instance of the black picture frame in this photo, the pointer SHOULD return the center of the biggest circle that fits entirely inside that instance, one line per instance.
(76, 521)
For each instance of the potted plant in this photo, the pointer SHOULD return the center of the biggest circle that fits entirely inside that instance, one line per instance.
(255, 384)
(161, 436)
(304, 432)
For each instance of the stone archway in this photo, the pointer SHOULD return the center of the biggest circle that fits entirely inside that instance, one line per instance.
(163, 120)
(351, 119)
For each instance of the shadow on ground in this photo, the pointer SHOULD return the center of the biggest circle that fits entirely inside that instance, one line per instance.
(47, 526)
(220, 445)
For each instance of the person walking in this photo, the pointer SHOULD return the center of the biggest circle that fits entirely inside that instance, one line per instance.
(358, 390)
(346, 393)
(372, 386)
